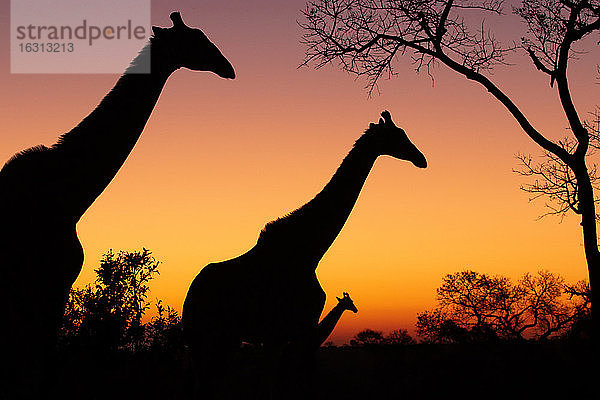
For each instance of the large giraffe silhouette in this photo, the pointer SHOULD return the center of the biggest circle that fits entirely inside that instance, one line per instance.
(271, 294)
(44, 191)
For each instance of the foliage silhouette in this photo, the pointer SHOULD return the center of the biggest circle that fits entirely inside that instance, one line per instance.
(366, 38)
(163, 332)
(371, 338)
(107, 315)
(474, 307)
(400, 337)
(368, 337)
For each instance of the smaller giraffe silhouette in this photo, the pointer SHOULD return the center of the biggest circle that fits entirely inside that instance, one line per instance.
(291, 374)
(329, 322)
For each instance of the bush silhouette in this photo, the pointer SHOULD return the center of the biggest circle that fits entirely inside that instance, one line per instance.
(400, 337)
(107, 315)
(370, 337)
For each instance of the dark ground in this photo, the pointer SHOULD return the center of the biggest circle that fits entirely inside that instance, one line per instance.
(550, 370)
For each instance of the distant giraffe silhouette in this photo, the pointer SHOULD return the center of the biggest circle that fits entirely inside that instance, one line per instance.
(271, 294)
(44, 191)
(291, 368)
(328, 323)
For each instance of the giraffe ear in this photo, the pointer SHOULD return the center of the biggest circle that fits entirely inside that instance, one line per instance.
(338, 298)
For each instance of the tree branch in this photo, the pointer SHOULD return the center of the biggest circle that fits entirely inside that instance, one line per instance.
(536, 136)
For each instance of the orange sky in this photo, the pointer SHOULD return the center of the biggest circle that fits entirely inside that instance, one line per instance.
(218, 159)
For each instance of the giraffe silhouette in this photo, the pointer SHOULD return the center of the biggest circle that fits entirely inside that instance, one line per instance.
(44, 191)
(328, 323)
(271, 294)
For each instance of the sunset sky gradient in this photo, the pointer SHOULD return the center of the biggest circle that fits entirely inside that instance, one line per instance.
(218, 159)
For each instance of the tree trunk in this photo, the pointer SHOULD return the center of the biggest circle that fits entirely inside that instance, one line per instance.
(587, 207)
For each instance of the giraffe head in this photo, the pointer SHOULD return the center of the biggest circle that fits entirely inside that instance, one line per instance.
(190, 48)
(391, 140)
(346, 303)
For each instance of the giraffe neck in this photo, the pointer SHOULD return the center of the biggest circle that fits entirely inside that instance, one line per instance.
(328, 323)
(92, 152)
(311, 229)
(328, 211)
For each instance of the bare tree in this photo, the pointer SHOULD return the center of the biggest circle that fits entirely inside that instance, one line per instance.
(365, 37)
(555, 180)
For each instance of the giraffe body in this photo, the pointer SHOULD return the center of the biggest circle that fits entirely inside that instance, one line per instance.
(290, 309)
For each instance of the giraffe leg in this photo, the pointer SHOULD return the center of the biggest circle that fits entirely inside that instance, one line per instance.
(273, 371)
(299, 366)
(28, 344)
(211, 359)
